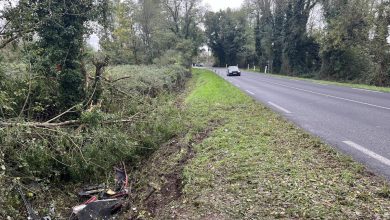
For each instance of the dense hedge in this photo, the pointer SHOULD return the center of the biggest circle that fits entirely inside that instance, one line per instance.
(144, 95)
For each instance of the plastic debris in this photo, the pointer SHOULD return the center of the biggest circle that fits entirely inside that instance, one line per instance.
(100, 209)
(102, 202)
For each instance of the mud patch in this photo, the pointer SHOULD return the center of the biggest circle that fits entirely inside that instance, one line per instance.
(159, 180)
(171, 183)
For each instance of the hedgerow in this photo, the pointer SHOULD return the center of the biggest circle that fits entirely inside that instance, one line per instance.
(135, 116)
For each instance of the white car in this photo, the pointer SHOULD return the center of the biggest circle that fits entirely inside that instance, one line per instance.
(233, 71)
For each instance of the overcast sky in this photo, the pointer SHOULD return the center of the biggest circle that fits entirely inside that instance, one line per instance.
(216, 5)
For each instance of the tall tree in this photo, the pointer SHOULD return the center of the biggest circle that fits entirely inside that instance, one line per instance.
(298, 46)
(343, 46)
(147, 18)
(182, 19)
(263, 32)
(278, 28)
(60, 27)
(227, 35)
(122, 45)
(380, 47)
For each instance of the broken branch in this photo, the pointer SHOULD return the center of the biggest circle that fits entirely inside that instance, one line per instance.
(61, 124)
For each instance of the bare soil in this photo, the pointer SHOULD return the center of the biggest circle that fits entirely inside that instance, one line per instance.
(158, 182)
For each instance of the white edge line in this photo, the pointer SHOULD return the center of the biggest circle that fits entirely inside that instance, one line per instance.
(367, 90)
(249, 92)
(279, 107)
(374, 155)
(331, 96)
(237, 85)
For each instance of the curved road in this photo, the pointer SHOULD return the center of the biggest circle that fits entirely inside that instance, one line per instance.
(356, 121)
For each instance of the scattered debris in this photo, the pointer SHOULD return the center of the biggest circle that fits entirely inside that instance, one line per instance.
(102, 201)
(99, 209)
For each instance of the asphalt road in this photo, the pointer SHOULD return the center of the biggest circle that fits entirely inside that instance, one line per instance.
(355, 121)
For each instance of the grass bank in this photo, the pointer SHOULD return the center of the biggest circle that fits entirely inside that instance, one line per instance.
(327, 82)
(253, 164)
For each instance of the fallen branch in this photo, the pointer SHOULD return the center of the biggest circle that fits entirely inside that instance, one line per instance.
(116, 80)
(59, 116)
(38, 124)
(61, 124)
(111, 80)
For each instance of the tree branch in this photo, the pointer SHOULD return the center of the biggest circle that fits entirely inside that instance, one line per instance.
(14, 37)
(38, 124)
(63, 124)
(7, 41)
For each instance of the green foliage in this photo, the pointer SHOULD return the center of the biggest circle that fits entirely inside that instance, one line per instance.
(144, 32)
(343, 54)
(56, 74)
(379, 49)
(171, 57)
(226, 32)
(61, 40)
(138, 113)
(13, 88)
(350, 46)
(93, 117)
(263, 35)
(123, 46)
(67, 154)
(300, 51)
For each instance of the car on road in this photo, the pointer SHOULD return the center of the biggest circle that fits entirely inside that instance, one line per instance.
(233, 71)
(199, 64)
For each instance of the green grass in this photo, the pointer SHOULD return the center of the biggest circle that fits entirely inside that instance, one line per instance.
(326, 82)
(256, 165)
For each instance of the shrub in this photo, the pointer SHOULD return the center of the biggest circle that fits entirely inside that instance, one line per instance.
(67, 154)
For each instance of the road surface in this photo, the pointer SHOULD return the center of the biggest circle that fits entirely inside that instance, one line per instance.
(356, 121)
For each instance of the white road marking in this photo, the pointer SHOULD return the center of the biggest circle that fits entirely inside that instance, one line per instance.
(367, 90)
(374, 155)
(249, 92)
(237, 85)
(330, 96)
(279, 107)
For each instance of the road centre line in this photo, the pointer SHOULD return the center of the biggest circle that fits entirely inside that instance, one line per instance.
(330, 96)
(249, 92)
(279, 107)
(374, 155)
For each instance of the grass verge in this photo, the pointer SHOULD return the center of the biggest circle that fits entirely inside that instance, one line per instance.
(256, 165)
(326, 82)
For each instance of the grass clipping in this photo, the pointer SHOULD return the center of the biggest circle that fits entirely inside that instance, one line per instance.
(256, 165)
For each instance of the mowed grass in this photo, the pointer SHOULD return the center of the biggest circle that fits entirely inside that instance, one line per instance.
(345, 84)
(256, 165)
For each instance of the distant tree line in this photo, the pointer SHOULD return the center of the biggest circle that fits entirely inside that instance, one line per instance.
(153, 31)
(349, 41)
